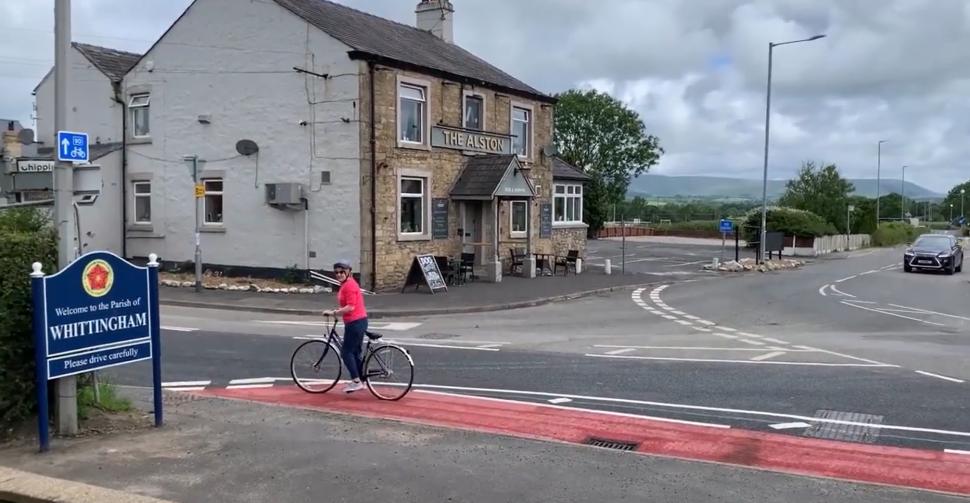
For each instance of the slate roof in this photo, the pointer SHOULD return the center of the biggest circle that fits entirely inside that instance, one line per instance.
(562, 170)
(111, 62)
(481, 176)
(377, 39)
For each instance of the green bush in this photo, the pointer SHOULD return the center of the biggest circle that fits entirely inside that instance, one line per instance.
(896, 233)
(691, 225)
(792, 222)
(24, 238)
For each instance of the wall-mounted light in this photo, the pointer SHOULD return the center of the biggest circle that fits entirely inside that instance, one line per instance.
(205, 119)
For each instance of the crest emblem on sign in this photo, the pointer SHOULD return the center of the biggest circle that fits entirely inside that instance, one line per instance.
(97, 278)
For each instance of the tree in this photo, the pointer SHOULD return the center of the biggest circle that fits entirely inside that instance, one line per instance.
(821, 191)
(608, 141)
(957, 200)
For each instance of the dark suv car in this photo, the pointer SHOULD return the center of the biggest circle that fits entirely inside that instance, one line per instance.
(937, 252)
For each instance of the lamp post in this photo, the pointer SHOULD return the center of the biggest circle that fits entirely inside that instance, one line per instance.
(951, 213)
(764, 181)
(902, 196)
(962, 213)
(878, 177)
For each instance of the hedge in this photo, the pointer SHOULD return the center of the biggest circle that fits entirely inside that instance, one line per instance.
(792, 222)
(896, 233)
(24, 239)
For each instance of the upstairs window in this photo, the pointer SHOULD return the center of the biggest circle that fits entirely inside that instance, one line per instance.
(138, 107)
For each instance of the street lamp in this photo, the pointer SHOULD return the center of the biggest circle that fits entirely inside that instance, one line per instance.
(764, 181)
(878, 177)
(951, 213)
(902, 196)
(962, 213)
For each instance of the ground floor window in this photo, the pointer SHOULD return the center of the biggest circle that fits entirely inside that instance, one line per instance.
(519, 219)
(212, 201)
(413, 200)
(568, 203)
(142, 192)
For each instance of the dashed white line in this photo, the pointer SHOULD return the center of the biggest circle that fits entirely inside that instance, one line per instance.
(702, 329)
(715, 360)
(833, 353)
(708, 323)
(789, 426)
(179, 329)
(753, 343)
(931, 312)
(727, 329)
(254, 380)
(767, 356)
(749, 334)
(945, 378)
(892, 314)
(854, 276)
(621, 351)
(560, 400)
(186, 388)
(776, 341)
(702, 348)
(685, 323)
(726, 336)
(955, 451)
(249, 386)
(691, 317)
(179, 384)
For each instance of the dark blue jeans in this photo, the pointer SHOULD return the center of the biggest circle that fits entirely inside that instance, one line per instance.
(351, 349)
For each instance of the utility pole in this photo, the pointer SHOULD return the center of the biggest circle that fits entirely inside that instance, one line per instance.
(878, 177)
(193, 162)
(66, 405)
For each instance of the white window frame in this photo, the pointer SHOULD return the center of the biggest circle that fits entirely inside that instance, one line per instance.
(525, 231)
(425, 87)
(530, 139)
(568, 198)
(205, 199)
(425, 178)
(464, 99)
(134, 108)
(136, 196)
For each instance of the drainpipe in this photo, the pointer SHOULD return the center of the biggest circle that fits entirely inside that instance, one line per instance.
(373, 180)
(120, 99)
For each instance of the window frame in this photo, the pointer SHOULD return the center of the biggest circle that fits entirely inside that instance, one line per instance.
(464, 102)
(571, 195)
(134, 203)
(525, 230)
(530, 129)
(425, 197)
(205, 200)
(425, 87)
(145, 108)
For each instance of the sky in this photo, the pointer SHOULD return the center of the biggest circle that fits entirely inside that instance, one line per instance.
(695, 71)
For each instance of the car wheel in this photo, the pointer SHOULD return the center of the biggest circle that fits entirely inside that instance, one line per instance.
(960, 267)
(950, 270)
(907, 268)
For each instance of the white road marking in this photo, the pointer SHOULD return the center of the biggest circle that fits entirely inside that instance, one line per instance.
(691, 317)
(387, 325)
(840, 292)
(726, 336)
(892, 314)
(753, 343)
(706, 322)
(846, 279)
(918, 309)
(874, 271)
(748, 334)
(254, 380)
(702, 348)
(702, 329)
(767, 356)
(945, 378)
(443, 346)
(621, 351)
(185, 383)
(186, 388)
(249, 386)
(560, 400)
(794, 417)
(776, 341)
(679, 313)
(833, 353)
(954, 451)
(489, 346)
(718, 360)
(179, 329)
(821, 291)
(685, 323)
(789, 426)
(668, 317)
(727, 329)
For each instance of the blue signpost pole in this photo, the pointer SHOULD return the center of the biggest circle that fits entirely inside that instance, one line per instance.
(40, 360)
(156, 337)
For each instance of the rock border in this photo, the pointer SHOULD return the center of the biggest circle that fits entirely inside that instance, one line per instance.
(749, 264)
(252, 287)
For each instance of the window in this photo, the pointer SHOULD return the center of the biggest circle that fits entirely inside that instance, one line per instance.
(520, 222)
(568, 204)
(412, 205)
(143, 202)
(138, 105)
(212, 201)
(411, 112)
(521, 131)
(474, 112)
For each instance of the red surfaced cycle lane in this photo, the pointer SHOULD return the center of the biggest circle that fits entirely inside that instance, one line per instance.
(912, 468)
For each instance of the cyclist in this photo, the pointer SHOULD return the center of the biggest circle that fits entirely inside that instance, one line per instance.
(351, 301)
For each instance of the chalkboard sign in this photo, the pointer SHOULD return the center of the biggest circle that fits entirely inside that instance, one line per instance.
(439, 219)
(424, 269)
(545, 220)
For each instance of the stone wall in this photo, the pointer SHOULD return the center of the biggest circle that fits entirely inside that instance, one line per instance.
(569, 238)
(439, 165)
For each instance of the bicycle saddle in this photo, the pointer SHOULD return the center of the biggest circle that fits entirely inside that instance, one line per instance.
(373, 336)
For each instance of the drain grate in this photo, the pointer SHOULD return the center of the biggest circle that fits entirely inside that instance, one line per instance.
(846, 432)
(611, 444)
(437, 336)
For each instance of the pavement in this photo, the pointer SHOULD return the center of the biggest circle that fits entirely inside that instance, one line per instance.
(221, 450)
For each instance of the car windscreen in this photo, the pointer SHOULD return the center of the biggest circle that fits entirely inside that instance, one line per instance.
(934, 243)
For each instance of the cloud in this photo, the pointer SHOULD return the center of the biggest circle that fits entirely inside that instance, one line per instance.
(695, 71)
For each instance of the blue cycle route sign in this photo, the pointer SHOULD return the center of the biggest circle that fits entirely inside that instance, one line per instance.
(72, 147)
(100, 311)
(726, 225)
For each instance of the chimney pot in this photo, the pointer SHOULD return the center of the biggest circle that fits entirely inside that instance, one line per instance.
(436, 16)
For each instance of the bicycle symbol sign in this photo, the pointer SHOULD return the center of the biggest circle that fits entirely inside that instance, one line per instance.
(72, 147)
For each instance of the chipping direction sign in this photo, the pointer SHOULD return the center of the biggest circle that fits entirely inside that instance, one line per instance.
(98, 312)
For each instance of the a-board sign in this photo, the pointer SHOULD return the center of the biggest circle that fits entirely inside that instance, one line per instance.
(424, 270)
(545, 220)
(439, 219)
(100, 311)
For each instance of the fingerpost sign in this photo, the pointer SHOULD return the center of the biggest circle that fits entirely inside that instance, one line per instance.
(100, 311)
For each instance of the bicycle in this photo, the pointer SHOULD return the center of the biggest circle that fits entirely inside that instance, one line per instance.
(321, 359)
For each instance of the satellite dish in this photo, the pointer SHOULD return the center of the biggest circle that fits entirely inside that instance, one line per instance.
(246, 147)
(26, 136)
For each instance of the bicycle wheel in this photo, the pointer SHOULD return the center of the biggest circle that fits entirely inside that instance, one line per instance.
(315, 366)
(389, 371)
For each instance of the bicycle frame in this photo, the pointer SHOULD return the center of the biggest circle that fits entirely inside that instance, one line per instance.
(337, 342)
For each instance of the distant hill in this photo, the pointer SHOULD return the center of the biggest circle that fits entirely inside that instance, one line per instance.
(708, 187)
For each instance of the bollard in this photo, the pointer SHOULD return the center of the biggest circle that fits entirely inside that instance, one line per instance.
(579, 266)
(608, 267)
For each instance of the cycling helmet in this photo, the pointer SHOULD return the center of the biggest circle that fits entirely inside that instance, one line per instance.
(342, 264)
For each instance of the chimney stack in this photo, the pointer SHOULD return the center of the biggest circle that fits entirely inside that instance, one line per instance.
(437, 16)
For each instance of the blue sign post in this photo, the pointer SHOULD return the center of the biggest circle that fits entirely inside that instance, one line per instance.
(100, 311)
(72, 147)
(726, 225)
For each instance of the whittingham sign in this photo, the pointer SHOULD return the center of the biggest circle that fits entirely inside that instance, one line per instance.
(100, 311)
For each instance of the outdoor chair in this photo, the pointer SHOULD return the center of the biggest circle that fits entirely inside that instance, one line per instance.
(566, 262)
(516, 261)
(466, 269)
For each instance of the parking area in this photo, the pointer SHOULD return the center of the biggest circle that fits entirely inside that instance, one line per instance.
(660, 255)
